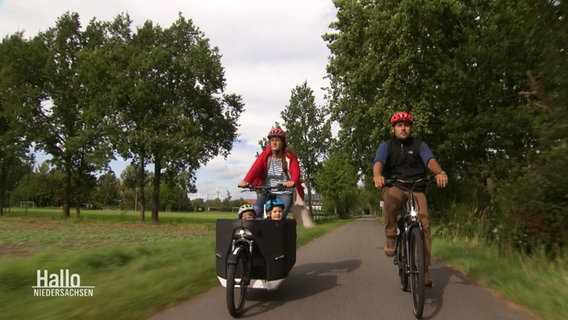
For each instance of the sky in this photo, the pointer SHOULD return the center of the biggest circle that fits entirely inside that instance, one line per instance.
(268, 47)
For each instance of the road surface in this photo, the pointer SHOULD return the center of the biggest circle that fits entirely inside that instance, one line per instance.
(345, 275)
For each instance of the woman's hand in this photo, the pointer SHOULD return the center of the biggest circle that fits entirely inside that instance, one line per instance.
(289, 184)
(243, 184)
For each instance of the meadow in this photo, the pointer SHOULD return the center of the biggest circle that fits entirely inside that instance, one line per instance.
(137, 268)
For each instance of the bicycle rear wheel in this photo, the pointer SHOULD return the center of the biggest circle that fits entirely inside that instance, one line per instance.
(238, 278)
(417, 272)
(402, 261)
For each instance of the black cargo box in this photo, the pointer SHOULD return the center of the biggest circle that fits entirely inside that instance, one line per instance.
(274, 252)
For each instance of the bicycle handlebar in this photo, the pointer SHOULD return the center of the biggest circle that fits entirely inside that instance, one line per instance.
(265, 189)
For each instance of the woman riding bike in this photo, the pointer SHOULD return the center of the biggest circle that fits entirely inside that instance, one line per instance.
(276, 165)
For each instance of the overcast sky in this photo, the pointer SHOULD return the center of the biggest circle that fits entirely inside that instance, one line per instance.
(268, 47)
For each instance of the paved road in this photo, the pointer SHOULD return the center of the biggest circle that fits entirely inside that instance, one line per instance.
(345, 275)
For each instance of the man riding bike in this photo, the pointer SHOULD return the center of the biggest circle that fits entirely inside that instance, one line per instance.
(407, 158)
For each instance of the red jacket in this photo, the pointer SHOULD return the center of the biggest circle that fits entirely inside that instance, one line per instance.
(257, 172)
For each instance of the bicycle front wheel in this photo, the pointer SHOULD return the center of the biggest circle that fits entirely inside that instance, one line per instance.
(417, 271)
(238, 278)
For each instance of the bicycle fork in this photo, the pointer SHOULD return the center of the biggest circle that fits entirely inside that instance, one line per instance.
(242, 245)
(404, 231)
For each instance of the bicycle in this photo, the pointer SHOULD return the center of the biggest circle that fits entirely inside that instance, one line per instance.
(409, 253)
(255, 254)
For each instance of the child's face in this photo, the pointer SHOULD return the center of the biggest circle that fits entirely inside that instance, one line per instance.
(276, 213)
(248, 215)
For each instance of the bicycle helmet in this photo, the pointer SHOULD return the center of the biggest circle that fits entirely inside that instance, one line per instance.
(401, 116)
(273, 203)
(244, 208)
(277, 132)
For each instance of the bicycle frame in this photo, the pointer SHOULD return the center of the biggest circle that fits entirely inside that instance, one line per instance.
(409, 220)
(409, 253)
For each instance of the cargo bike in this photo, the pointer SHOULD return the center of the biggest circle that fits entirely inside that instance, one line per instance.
(253, 254)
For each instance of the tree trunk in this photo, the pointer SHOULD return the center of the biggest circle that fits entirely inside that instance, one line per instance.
(66, 194)
(3, 179)
(141, 185)
(78, 206)
(142, 205)
(156, 189)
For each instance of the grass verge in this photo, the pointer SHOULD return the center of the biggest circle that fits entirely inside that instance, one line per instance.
(137, 268)
(538, 285)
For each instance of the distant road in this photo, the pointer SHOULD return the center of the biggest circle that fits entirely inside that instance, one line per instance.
(345, 275)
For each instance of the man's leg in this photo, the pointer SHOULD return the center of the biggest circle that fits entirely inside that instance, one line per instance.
(392, 202)
(422, 208)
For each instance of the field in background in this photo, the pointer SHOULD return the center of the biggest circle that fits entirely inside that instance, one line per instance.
(137, 268)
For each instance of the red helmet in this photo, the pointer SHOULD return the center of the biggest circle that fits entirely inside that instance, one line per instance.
(401, 116)
(277, 132)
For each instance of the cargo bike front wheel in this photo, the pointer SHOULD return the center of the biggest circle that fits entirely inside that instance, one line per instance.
(238, 280)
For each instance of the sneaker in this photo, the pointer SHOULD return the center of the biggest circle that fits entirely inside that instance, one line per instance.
(390, 244)
(428, 282)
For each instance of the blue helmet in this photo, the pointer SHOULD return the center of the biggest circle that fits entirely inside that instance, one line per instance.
(273, 203)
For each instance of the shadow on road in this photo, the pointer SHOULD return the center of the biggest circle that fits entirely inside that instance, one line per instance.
(435, 295)
(302, 282)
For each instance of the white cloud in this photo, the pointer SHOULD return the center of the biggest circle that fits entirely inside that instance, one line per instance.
(268, 47)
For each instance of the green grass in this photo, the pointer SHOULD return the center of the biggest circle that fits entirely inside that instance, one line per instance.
(538, 285)
(137, 268)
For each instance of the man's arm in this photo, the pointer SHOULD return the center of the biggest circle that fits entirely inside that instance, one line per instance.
(378, 175)
(433, 165)
(440, 175)
(380, 159)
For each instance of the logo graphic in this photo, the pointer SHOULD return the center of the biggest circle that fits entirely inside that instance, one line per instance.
(62, 284)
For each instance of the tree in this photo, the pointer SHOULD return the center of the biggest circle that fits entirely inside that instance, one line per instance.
(535, 199)
(308, 131)
(21, 90)
(464, 71)
(41, 184)
(73, 126)
(433, 59)
(134, 189)
(173, 108)
(174, 191)
(106, 191)
(336, 181)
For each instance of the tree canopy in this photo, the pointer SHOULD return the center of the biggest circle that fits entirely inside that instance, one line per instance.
(308, 131)
(485, 82)
(152, 95)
